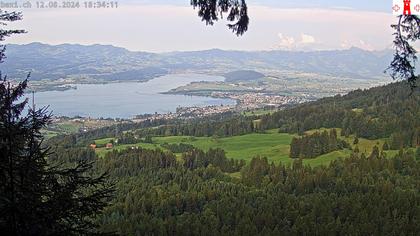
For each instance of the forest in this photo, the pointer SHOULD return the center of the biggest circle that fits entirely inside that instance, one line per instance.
(151, 177)
(187, 191)
(157, 194)
(387, 111)
(183, 190)
(314, 145)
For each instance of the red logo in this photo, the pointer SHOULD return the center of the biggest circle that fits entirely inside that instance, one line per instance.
(407, 7)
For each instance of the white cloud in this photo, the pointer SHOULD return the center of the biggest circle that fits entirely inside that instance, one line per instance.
(307, 39)
(291, 43)
(286, 42)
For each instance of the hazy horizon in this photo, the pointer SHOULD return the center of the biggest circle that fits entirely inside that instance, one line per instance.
(198, 50)
(166, 26)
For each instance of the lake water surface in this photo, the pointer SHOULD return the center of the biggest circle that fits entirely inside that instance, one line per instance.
(127, 99)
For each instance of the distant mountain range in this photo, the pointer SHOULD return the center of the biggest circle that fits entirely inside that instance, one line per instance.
(106, 62)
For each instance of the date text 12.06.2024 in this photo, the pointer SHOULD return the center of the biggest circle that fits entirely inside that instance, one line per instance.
(77, 4)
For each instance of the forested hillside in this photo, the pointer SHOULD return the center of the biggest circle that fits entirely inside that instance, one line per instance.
(156, 194)
(179, 189)
(387, 111)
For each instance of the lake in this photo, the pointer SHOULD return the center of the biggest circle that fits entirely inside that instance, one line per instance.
(126, 99)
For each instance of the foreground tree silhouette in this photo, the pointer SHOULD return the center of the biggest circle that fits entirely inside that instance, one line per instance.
(35, 197)
(236, 10)
(403, 66)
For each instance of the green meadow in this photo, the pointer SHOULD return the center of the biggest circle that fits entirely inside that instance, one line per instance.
(271, 144)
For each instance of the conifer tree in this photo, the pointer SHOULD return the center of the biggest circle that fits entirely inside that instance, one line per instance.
(385, 147)
(37, 198)
(418, 153)
(375, 152)
(356, 141)
(403, 66)
(236, 10)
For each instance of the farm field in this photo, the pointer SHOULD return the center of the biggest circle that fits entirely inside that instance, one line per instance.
(271, 144)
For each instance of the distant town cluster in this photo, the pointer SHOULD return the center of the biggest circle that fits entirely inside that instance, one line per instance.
(187, 113)
(245, 102)
(259, 100)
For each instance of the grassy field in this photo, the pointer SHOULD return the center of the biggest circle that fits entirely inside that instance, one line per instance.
(271, 144)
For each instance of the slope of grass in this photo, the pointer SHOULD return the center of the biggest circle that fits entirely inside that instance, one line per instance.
(102, 151)
(271, 144)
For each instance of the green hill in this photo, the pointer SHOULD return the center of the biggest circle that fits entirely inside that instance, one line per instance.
(243, 75)
(217, 192)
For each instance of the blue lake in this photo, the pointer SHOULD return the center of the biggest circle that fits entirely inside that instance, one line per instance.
(126, 99)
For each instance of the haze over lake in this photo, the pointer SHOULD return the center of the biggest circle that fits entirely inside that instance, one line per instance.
(127, 99)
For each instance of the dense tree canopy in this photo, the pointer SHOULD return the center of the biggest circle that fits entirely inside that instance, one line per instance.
(212, 10)
(316, 144)
(37, 198)
(159, 195)
(6, 17)
(403, 66)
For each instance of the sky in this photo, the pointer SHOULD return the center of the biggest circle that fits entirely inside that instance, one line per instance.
(163, 26)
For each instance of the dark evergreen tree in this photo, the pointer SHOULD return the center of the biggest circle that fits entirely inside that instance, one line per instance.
(356, 141)
(295, 148)
(37, 198)
(385, 147)
(148, 139)
(4, 33)
(375, 152)
(316, 144)
(236, 10)
(407, 31)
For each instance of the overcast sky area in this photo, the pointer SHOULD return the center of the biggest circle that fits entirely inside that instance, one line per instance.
(163, 25)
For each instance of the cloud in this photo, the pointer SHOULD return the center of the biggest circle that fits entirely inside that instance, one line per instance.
(286, 42)
(291, 43)
(306, 39)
